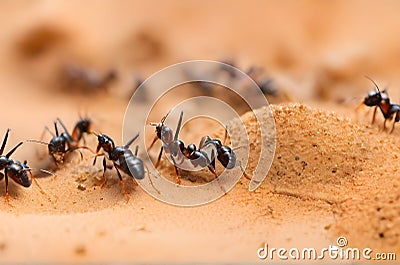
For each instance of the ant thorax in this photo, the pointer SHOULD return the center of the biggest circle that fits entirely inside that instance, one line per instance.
(117, 152)
(165, 134)
(4, 162)
(175, 148)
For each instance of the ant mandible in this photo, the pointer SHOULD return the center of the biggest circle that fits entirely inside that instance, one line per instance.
(204, 156)
(122, 157)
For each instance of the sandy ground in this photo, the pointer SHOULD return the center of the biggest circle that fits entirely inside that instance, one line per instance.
(333, 173)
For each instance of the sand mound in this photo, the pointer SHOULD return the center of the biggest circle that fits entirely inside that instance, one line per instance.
(342, 176)
(321, 156)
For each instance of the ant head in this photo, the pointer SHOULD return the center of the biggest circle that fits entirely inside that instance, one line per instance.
(57, 145)
(164, 133)
(374, 98)
(84, 125)
(105, 142)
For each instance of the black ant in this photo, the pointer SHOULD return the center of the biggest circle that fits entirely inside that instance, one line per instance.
(122, 157)
(204, 156)
(86, 79)
(381, 99)
(63, 143)
(17, 171)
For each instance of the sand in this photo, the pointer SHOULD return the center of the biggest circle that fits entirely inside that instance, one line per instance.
(333, 174)
(314, 192)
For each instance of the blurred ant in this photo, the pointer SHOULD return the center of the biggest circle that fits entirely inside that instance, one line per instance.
(122, 157)
(17, 171)
(64, 143)
(76, 77)
(83, 125)
(208, 150)
(266, 85)
(381, 99)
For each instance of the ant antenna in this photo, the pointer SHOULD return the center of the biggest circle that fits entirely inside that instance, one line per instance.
(55, 126)
(63, 126)
(4, 142)
(37, 141)
(163, 118)
(13, 150)
(40, 169)
(376, 86)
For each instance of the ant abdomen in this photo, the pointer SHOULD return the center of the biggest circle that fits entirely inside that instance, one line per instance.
(227, 157)
(19, 173)
(132, 165)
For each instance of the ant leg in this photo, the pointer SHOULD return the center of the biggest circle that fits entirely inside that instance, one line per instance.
(136, 150)
(104, 172)
(152, 143)
(95, 158)
(226, 134)
(384, 125)
(359, 107)
(396, 119)
(211, 167)
(6, 176)
(7, 198)
(40, 188)
(81, 147)
(178, 176)
(120, 179)
(373, 116)
(159, 157)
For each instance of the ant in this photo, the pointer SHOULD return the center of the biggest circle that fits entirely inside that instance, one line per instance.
(64, 143)
(203, 156)
(122, 157)
(381, 99)
(86, 79)
(17, 171)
